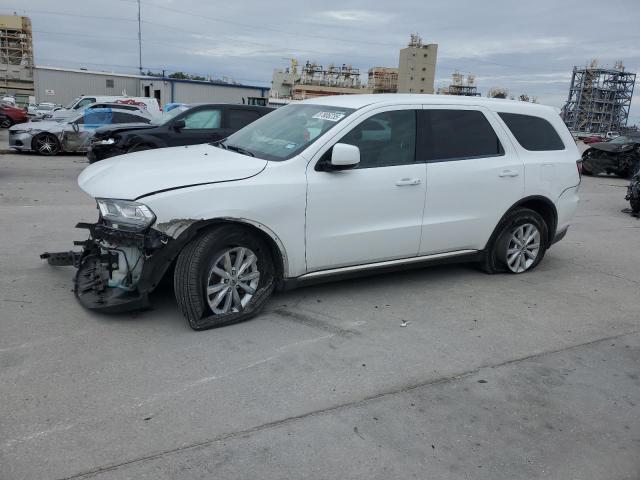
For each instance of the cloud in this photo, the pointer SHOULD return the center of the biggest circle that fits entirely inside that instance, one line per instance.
(355, 16)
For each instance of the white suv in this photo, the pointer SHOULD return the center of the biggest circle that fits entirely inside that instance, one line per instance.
(327, 187)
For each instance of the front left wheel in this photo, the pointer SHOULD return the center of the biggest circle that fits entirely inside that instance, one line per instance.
(46, 144)
(223, 276)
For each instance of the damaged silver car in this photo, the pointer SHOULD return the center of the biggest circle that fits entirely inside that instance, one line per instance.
(69, 135)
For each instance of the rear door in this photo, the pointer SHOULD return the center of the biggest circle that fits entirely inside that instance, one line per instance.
(237, 118)
(473, 176)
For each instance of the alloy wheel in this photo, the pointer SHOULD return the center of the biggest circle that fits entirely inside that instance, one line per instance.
(46, 145)
(232, 280)
(523, 247)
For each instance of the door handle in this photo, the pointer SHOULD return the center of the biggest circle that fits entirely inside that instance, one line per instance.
(508, 173)
(408, 181)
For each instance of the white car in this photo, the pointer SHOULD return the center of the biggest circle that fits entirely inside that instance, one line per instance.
(151, 105)
(323, 188)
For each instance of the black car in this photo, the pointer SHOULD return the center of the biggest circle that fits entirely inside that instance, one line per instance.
(620, 156)
(183, 125)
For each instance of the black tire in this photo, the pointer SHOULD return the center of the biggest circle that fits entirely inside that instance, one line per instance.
(635, 205)
(6, 122)
(586, 171)
(41, 141)
(495, 260)
(193, 267)
(141, 147)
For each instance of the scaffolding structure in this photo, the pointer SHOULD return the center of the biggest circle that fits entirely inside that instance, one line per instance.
(599, 99)
(383, 80)
(344, 76)
(460, 86)
(16, 56)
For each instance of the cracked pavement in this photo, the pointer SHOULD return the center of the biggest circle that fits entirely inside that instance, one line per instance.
(529, 376)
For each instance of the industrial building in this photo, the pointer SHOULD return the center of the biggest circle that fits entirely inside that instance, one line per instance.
(62, 85)
(16, 57)
(599, 99)
(417, 66)
(314, 80)
(461, 86)
(383, 80)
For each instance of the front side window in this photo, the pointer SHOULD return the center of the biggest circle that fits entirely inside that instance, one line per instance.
(533, 133)
(285, 132)
(167, 117)
(385, 139)
(203, 119)
(457, 135)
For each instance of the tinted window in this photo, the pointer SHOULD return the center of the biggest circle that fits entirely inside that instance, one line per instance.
(457, 134)
(385, 139)
(121, 117)
(533, 133)
(240, 118)
(203, 119)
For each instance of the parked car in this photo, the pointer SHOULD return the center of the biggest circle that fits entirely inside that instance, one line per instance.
(40, 110)
(10, 115)
(150, 104)
(182, 125)
(277, 205)
(593, 139)
(620, 156)
(68, 135)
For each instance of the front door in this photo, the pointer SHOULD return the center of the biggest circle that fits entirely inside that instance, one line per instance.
(202, 125)
(372, 212)
(473, 176)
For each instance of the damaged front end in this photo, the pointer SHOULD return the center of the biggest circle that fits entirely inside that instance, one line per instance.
(123, 259)
(633, 193)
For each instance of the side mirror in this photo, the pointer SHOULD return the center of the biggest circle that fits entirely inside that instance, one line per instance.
(75, 127)
(344, 156)
(179, 124)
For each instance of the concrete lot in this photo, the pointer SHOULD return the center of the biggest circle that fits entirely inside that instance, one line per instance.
(495, 377)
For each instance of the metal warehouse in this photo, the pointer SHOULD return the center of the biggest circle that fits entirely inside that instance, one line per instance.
(62, 85)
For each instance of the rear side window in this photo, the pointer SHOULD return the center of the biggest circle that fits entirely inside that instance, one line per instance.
(532, 133)
(457, 135)
(240, 118)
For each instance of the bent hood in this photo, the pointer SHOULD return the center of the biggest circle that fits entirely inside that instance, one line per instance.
(612, 147)
(135, 175)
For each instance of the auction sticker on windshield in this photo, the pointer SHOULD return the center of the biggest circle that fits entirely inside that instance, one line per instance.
(331, 116)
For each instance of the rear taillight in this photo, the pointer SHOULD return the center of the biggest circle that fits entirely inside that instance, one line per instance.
(579, 167)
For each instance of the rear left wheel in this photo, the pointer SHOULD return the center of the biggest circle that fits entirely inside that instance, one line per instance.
(6, 122)
(519, 243)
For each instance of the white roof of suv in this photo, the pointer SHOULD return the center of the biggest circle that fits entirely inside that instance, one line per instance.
(359, 101)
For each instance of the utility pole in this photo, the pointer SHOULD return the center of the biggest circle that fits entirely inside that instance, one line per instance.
(139, 39)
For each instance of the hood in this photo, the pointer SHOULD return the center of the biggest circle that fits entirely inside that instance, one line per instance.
(612, 147)
(108, 130)
(135, 175)
(45, 125)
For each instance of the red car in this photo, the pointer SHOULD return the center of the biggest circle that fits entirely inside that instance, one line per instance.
(594, 139)
(10, 115)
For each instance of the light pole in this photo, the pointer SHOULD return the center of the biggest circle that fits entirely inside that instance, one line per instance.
(139, 39)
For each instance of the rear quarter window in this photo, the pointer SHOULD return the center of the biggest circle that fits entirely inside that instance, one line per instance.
(532, 133)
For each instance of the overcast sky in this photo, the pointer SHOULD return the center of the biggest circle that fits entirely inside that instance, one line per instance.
(527, 47)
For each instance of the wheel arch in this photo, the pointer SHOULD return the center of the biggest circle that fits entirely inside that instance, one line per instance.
(276, 246)
(539, 204)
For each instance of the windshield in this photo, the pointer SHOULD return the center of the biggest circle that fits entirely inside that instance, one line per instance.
(624, 139)
(73, 102)
(168, 116)
(287, 131)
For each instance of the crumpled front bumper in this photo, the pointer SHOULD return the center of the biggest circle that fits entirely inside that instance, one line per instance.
(117, 269)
